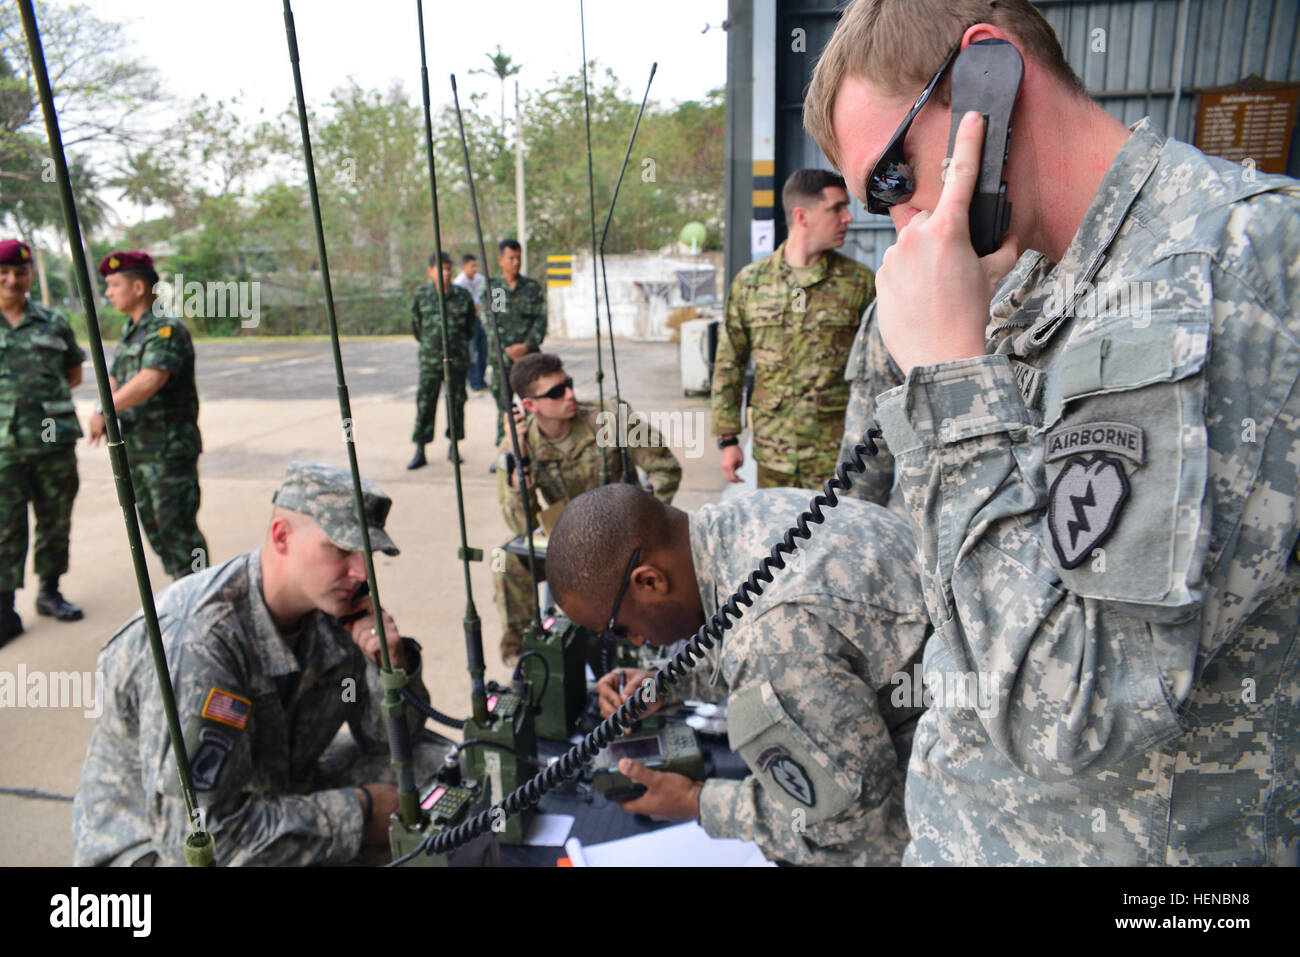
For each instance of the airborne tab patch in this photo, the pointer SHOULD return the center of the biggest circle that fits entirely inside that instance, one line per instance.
(227, 708)
(1116, 437)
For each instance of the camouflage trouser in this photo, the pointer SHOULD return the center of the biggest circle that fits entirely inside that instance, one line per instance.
(805, 476)
(513, 591)
(49, 481)
(426, 405)
(167, 498)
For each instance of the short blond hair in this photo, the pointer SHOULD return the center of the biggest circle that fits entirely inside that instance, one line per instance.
(897, 45)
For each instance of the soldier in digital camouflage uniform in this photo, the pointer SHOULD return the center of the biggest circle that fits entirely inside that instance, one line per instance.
(39, 363)
(265, 675)
(1101, 465)
(157, 406)
(815, 668)
(794, 313)
(516, 305)
(870, 371)
(566, 443)
(426, 326)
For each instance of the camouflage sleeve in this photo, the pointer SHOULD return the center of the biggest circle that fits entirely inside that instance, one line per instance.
(162, 350)
(729, 363)
(74, 355)
(249, 824)
(512, 508)
(1075, 682)
(417, 320)
(663, 471)
(825, 785)
(536, 321)
(870, 372)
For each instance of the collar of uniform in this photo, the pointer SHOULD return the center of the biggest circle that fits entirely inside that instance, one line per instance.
(544, 450)
(318, 648)
(33, 313)
(816, 271)
(1119, 189)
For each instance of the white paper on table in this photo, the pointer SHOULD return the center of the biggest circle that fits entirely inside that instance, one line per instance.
(549, 830)
(684, 845)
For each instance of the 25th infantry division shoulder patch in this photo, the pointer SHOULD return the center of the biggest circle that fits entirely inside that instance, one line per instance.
(1084, 503)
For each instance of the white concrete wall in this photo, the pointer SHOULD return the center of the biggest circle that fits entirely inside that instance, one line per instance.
(643, 289)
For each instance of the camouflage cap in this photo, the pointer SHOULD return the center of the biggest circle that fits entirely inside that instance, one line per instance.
(324, 494)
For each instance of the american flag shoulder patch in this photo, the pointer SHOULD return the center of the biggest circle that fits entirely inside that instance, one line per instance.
(227, 708)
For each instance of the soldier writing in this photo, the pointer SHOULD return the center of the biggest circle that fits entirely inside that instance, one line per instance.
(40, 363)
(804, 668)
(795, 314)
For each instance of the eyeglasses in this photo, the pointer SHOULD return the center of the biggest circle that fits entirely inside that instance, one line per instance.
(891, 180)
(554, 392)
(611, 632)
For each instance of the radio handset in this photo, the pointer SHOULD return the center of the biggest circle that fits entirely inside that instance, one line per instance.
(986, 78)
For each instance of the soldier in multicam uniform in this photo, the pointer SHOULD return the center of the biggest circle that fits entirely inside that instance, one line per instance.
(517, 307)
(811, 667)
(157, 406)
(794, 313)
(426, 326)
(265, 676)
(1101, 459)
(565, 443)
(40, 362)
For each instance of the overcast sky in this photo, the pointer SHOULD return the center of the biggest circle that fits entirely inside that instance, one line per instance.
(238, 46)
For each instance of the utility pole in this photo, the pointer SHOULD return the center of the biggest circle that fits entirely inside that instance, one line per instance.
(521, 219)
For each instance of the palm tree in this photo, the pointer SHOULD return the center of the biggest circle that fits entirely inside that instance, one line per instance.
(501, 69)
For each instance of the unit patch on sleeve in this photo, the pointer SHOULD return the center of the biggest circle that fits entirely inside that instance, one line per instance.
(788, 773)
(210, 758)
(1118, 438)
(1084, 504)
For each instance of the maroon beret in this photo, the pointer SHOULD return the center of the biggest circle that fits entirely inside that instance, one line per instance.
(116, 262)
(14, 252)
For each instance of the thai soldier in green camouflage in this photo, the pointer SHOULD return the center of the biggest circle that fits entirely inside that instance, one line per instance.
(794, 313)
(40, 362)
(565, 442)
(810, 666)
(1101, 460)
(517, 306)
(426, 326)
(158, 410)
(265, 676)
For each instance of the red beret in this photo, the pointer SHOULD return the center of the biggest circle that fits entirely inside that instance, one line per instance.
(14, 252)
(116, 262)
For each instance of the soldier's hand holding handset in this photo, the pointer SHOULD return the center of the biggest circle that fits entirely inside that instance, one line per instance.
(932, 290)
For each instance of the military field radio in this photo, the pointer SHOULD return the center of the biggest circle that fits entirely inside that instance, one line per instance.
(674, 749)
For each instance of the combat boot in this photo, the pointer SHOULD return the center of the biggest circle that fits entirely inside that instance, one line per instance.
(52, 604)
(418, 461)
(512, 646)
(452, 457)
(11, 626)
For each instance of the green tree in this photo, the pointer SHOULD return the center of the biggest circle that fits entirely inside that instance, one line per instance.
(502, 69)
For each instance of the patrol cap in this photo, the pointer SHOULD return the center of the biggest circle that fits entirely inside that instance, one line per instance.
(15, 252)
(117, 261)
(324, 494)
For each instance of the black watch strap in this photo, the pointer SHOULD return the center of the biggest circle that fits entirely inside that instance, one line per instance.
(731, 440)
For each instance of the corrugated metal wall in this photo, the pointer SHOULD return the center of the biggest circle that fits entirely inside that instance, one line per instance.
(1134, 76)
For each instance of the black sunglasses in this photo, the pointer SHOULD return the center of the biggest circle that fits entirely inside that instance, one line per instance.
(891, 179)
(554, 392)
(612, 633)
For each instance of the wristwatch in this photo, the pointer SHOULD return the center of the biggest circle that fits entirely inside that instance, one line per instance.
(727, 440)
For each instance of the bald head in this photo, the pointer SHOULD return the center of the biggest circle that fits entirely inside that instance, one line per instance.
(597, 532)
